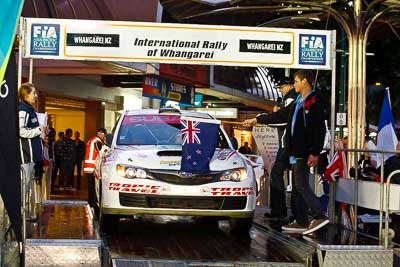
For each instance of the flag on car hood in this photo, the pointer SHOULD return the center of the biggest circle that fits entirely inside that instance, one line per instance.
(199, 140)
(387, 139)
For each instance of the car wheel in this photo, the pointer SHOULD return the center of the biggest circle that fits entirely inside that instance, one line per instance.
(240, 225)
(107, 222)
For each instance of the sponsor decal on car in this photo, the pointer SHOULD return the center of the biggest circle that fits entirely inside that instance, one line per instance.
(170, 162)
(135, 188)
(225, 154)
(231, 191)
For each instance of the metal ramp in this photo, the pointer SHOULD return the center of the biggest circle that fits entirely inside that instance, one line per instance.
(354, 256)
(169, 263)
(65, 235)
(71, 253)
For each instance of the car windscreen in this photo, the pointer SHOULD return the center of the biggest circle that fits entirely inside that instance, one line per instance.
(155, 130)
(150, 130)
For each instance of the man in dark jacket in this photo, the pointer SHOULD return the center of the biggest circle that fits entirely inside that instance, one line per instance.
(277, 187)
(303, 141)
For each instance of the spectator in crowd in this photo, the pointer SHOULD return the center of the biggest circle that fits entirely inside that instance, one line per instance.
(245, 149)
(390, 164)
(58, 153)
(52, 138)
(45, 181)
(277, 186)
(67, 160)
(79, 156)
(93, 148)
(30, 141)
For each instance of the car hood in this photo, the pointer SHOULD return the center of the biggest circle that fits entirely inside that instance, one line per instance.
(169, 157)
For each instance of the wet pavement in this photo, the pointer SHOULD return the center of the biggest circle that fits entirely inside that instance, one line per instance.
(185, 238)
(64, 219)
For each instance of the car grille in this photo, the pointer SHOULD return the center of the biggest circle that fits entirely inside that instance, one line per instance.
(175, 178)
(182, 202)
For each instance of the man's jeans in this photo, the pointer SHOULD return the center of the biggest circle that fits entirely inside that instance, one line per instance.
(278, 196)
(305, 198)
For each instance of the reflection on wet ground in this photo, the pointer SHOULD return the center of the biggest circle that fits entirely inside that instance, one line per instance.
(186, 238)
(180, 239)
(64, 220)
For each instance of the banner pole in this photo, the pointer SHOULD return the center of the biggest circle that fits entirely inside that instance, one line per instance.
(30, 70)
(20, 48)
(332, 186)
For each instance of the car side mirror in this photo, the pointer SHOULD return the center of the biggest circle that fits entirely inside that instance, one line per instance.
(234, 143)
(109, 138)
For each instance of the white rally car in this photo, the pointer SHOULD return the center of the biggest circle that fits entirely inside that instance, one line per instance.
(139, 173)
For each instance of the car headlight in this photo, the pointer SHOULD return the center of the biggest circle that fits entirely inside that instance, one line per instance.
(131, 172)
(235, 175)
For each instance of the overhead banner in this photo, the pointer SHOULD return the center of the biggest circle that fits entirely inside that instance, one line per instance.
(157, 87)
(177, 43)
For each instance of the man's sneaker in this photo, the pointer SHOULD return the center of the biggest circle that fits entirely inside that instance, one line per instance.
(294, 227)
(315, 225)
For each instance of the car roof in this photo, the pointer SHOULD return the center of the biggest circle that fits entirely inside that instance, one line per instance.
(166, 111)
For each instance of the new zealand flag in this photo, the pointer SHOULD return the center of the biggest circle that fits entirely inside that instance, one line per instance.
(199, 139)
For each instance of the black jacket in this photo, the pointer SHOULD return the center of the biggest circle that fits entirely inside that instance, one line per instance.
(290, 97)
(309, 129)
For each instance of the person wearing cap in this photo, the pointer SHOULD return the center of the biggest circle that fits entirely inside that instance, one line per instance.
(277, 187)
(93, 147)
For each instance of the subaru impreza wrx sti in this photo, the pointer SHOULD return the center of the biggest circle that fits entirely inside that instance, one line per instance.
(139, 173)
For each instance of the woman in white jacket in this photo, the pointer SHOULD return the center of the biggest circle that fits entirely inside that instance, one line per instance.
(29, 133)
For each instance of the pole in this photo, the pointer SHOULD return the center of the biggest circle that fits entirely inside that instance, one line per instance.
(332, 187)
(342, 73)
(20, 50)
(30, 70)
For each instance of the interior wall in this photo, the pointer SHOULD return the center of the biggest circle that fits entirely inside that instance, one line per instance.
(61, 119)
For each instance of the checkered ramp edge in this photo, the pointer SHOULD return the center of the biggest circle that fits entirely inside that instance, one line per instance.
(355, 256)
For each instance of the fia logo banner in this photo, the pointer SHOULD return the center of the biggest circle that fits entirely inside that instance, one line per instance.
(312, 50)
(45, 39)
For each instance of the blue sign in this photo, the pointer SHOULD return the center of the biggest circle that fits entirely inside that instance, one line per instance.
(198, 101)
(163, 89)
(45, 39)
(312, 50)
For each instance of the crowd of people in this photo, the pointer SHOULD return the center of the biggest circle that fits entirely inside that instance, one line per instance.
(51, 163)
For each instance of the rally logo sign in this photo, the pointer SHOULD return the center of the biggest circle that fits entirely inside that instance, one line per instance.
(45, 39)
(312, 50)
